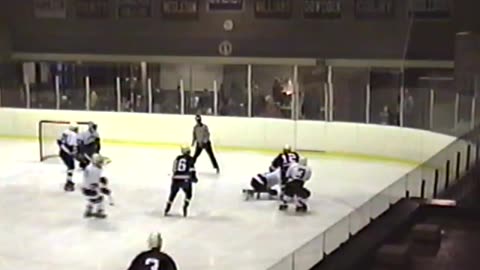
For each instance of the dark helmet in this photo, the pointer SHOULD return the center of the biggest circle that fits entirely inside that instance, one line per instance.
(92, 126)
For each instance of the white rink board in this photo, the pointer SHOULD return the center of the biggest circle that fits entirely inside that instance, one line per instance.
(223, 232)
(252, 133)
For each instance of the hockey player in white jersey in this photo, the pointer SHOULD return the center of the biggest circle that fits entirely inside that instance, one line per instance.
(297, 174)
(263, 183)
(68, 151)
(88, 144)
(95, 188)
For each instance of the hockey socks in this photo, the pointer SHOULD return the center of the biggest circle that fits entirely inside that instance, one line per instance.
(185, 207)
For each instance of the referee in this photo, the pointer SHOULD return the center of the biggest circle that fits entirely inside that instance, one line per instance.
(201, 136)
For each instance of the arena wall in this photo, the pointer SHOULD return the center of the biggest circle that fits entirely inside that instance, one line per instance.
(386, 142)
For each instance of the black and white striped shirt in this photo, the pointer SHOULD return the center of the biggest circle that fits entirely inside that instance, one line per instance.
(201, 134)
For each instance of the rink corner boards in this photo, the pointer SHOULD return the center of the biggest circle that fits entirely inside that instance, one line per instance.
(307, 153)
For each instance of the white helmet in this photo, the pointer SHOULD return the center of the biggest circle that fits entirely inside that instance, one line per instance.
(97, 160)
(155, 241)
(185, 149)
(73, 126)
(303, 161)
(287, 148)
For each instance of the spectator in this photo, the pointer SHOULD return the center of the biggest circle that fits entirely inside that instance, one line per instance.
(277, 91)
(271, 109)
(386, 116)
(93, 100)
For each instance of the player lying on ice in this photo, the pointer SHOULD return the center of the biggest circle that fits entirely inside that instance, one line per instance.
(263, 183)
(290, 175)
(267, 182)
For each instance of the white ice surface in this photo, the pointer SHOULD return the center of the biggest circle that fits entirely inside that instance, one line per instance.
(42, 228)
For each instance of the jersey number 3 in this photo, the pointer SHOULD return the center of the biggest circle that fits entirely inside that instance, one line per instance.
(300, 173)
(153, 263)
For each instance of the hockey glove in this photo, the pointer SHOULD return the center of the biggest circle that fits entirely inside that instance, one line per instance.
(104, 180)
(105, 191)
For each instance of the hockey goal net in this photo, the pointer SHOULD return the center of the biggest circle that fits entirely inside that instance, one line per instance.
(48, 133)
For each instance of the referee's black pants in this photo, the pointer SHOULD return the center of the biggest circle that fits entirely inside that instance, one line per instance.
(208, 147)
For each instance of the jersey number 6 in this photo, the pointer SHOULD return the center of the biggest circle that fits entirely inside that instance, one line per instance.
(182, 165)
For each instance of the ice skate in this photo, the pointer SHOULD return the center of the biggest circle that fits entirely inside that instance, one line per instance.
(185, 210)
(167, 209)
(69, 186)
(88, 213)
(301, 207)
(100, 214)
(248, 194)
(283, 207)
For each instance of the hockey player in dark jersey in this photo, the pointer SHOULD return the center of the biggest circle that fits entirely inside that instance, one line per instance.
(284, 160)
(88, 144)
(183, 176)
(153, 258)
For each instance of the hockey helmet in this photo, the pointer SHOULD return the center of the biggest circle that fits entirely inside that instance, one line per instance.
(198, 118)
(73, 126)
(287, 148)
(155, 241)
(185, 150)
(97, 160)
(92, 126)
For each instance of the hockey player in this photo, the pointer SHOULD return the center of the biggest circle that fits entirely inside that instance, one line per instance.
(68, 150)
(297, 175)
(88, 144)
(284, 160)
(153, 258)
(263, 183)
(95, 188)
(183, 176)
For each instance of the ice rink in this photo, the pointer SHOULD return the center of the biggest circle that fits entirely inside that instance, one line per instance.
(42, 227)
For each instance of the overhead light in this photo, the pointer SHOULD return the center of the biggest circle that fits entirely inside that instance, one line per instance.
(439, 78)
(438, 202)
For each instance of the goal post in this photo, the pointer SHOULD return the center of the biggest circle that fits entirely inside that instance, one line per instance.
(48, 133)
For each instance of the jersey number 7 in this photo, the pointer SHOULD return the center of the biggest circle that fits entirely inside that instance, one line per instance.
(153, 263)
